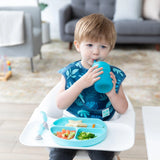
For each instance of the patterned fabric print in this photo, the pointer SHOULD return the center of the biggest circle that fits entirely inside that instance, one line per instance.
(120, 76)
(89, 103)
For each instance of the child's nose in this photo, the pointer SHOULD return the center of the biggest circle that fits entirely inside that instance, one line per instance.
(96, 50)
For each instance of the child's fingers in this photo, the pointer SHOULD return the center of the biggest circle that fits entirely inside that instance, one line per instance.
(98, 69)
(95, 69)
(98, 73)
(92, 68)
(114, 80)
(96, 79)
(112, 75)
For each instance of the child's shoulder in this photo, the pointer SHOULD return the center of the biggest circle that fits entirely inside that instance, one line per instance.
(70, 66)
(120, 76)
(117, 71)
(74, 64)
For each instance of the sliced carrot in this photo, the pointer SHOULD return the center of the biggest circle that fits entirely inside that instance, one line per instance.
(59, 134)
(63, 131)
(93, 126)
(68, 132)
(65, 134)
(64, 137)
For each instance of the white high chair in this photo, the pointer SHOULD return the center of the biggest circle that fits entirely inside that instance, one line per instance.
(117, 141)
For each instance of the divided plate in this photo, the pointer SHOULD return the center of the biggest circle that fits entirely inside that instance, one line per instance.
(100, 131)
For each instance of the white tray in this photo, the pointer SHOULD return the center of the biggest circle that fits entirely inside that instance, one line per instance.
(120, 136)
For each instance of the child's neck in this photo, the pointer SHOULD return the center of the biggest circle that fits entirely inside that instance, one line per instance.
(85, 64)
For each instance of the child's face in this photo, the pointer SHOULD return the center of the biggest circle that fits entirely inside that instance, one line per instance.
(91, 51)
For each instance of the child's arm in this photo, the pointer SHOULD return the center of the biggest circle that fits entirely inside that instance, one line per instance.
(118, 100)
(66, 97)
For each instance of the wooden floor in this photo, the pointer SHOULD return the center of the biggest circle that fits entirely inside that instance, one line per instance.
(13, 118)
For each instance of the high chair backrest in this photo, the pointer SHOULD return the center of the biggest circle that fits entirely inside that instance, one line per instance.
(49, 103)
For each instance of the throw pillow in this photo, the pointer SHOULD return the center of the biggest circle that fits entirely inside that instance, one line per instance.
(127, 10)
(151, 9)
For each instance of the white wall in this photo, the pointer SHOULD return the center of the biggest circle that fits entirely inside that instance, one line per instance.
(51, 15)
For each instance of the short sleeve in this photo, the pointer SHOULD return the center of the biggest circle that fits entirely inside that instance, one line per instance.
(70, 73)
(67, 71)
(63, 72)
(120, 76)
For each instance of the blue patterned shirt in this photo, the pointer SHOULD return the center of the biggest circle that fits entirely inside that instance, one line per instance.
(90, 103)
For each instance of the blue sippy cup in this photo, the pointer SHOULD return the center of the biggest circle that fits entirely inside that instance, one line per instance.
(104, 84)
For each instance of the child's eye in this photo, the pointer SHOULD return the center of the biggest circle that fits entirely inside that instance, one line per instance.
(89, 45)
(103, 46)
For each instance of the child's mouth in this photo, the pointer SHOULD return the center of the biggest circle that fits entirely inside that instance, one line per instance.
(94, 60)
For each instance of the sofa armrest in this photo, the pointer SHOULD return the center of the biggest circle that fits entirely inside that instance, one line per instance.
(28, 25)
(65, 14)
(28, 34)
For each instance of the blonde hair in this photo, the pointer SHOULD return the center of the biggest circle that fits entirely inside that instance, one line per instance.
(95, 27)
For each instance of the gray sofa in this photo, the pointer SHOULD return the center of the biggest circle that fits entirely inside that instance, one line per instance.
(128, 31)
(32, 35)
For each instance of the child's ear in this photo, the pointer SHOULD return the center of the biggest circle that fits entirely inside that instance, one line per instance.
(76, 44)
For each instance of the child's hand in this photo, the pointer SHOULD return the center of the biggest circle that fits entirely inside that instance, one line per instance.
(90, 77)
(114, 83)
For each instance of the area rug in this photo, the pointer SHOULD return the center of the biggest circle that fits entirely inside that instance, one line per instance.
(141, 65)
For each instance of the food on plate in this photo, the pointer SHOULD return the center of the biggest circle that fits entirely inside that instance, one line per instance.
(78, 123)
(85, 135)
(93, 126)
(65, 134)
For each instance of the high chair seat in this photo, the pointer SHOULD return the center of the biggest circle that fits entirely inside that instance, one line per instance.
(121, 131)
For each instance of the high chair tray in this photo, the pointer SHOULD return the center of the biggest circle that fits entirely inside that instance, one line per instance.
(111, 136)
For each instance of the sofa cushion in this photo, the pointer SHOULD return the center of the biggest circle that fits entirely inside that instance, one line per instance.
(151, 9)
(81, 8)
(127, 9)
(137, 27)
(70, 26)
